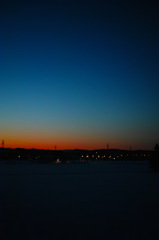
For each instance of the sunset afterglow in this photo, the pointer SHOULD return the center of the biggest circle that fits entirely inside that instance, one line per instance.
(79, 76)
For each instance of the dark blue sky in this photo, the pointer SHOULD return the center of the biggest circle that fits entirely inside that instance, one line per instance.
(79, 74)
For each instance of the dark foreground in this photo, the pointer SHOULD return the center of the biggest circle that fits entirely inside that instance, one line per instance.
(105, 200)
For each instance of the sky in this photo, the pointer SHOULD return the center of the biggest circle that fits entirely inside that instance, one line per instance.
(79, 74)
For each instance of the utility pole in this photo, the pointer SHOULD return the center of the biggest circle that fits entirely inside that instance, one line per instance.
(2, 143)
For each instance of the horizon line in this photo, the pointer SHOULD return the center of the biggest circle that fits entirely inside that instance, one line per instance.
(79, 149)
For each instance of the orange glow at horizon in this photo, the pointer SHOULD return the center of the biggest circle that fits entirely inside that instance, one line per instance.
(60, 145)
(66, 140)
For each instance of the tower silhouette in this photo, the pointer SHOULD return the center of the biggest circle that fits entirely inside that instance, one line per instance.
(2, 143)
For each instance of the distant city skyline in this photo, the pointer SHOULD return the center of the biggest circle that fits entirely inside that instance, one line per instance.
(79, 74)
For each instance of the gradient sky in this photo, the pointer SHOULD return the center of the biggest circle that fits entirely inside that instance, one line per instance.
(79, 74)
